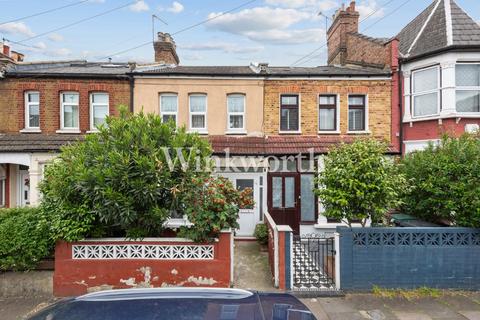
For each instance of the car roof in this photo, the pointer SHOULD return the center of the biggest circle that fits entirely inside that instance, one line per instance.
(166, 293)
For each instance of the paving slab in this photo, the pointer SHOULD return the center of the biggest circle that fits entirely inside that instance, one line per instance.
(411, 316)
(470, 315)
(17, 308)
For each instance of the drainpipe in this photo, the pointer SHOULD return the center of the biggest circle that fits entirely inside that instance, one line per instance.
(132, 86)
(400, 106)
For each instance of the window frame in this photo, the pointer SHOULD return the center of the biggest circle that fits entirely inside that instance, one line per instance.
(204, 113)
(289, 106)
(3, 185)
(169, 113)
(466, 88)
(243, 114)
(92, 105)
(27, 110)
(62, 109)
(335, 107)
(365, 113)
(422, 93)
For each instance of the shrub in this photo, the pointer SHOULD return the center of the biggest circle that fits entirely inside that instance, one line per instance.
(261, 233)
(359, 182)
(24, 238)
(445, 182)
(211, 206)
(126, 180)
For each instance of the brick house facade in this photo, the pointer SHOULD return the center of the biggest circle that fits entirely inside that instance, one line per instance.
(29, 141)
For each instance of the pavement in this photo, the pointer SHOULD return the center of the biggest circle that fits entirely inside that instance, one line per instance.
(13, 308)
(449, 306)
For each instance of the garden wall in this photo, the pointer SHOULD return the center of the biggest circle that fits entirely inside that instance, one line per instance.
(102, 264)
(409, 258)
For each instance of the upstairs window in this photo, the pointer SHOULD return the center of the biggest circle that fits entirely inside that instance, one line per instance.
(327, 113)
(289, 113)
(169, 107)
(69, 110)
(32, 110)
(356, 113)
(99, 105)
(425, 92)
(236, 112)
(468, 87)
(198, 112)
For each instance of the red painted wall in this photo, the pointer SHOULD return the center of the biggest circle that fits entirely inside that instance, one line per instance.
(432, 129)
(77, 277)
(396, 127)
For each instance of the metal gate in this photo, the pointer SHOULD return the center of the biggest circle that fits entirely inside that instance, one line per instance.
(314, 263)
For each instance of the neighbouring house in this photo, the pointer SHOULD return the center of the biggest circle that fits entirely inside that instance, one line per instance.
(440, 63)
(45, 105)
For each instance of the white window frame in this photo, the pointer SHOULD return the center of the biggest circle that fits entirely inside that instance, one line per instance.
(204, 113)
(469, 88)
(337, 115)
(3, 184)
(92, 108)
(64, 129)
(27, 111)
(299, 96)
(169, 113)
(422, 93)
(367, 130)
(243, 114)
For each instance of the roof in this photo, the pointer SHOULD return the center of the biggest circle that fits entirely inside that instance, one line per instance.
(79, 68)
(441, 26)
(35, 142)
(250, 71)
(381, 41)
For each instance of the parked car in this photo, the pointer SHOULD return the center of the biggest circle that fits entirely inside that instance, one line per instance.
(177, 304)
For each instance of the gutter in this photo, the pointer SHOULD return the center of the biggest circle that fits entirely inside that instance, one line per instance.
(132, 90)
(67, 75)
(400, 106)
(454, 48)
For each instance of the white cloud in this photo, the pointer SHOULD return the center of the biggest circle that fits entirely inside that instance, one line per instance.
(40, 48)
(316, 5)
(175, 7)
(40, 45)
(55, 37)
(221, 46)
(16, 28)
(366, 8)
(288, 36)
(139, 6)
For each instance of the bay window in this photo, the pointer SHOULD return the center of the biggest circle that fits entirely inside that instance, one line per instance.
(289, 113)
(169, 107)
(32, 110)
(327, 113)
(357, 113)
(99, 105)
(236, 112)
(69, 110)
(467, 79)
(425, 92)
(198, 112)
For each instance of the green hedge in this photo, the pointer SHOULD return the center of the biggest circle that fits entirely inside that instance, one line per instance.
(24, 238)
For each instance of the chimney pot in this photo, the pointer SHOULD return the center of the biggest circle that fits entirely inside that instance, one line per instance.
(6, 49)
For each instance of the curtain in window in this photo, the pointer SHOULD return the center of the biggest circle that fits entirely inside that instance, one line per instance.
(467, 75)
(236, 103)
(356, 119)
(198, 103)
(326, 119)
(236, 121)
(70, 116)
(425, 104)
(289, 119)
(468, 101)
(425, 80)
(198, 121)
(34, 115)
(168, 103)
(100, 114)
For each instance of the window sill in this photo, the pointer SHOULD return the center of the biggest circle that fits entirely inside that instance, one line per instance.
(359, 132)
(329, 132)
(236, 132)
(30, 130)
(71, 131)
(465, 115)
(289, 132)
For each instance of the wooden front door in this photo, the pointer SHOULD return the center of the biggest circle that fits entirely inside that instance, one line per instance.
(283, 196)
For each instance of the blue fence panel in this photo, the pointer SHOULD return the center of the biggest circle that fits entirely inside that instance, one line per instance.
(409, 258)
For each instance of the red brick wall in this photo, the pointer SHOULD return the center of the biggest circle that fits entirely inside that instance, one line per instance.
(432, 129)
(79, 276)
(12, 105)
(366, 52)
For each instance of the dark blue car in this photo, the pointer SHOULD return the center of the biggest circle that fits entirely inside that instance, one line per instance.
(177, 304)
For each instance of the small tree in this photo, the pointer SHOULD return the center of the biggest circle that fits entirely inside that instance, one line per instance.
(359, 182)
(125, 180)
(445, 181)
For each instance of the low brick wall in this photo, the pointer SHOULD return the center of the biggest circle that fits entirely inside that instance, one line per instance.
(26, 284)
(103, 264)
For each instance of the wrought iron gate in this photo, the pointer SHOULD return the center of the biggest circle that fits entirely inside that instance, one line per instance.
(314, 262)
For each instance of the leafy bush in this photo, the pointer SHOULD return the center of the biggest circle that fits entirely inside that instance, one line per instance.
(125, 180)
(261, 233)
(213, 205)
(445, 182)
(359, 182)
(24, 238)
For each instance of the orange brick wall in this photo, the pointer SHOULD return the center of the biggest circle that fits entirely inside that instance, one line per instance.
(12, 116)
(379, 103)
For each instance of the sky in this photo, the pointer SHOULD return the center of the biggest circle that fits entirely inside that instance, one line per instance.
(239, 31)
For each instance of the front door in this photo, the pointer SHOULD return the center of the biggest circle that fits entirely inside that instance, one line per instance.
(283, 199)
(24, 188)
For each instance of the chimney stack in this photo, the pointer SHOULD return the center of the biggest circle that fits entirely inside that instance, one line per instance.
(165, 49)
(344, 21)
(6, 49)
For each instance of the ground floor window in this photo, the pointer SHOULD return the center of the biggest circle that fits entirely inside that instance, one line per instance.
(2, 192)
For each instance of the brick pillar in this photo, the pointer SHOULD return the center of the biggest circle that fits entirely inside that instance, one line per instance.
(285, 257)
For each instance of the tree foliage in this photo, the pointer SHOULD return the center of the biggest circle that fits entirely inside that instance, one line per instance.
(358, 182)
(445, 181)
(126, 180)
